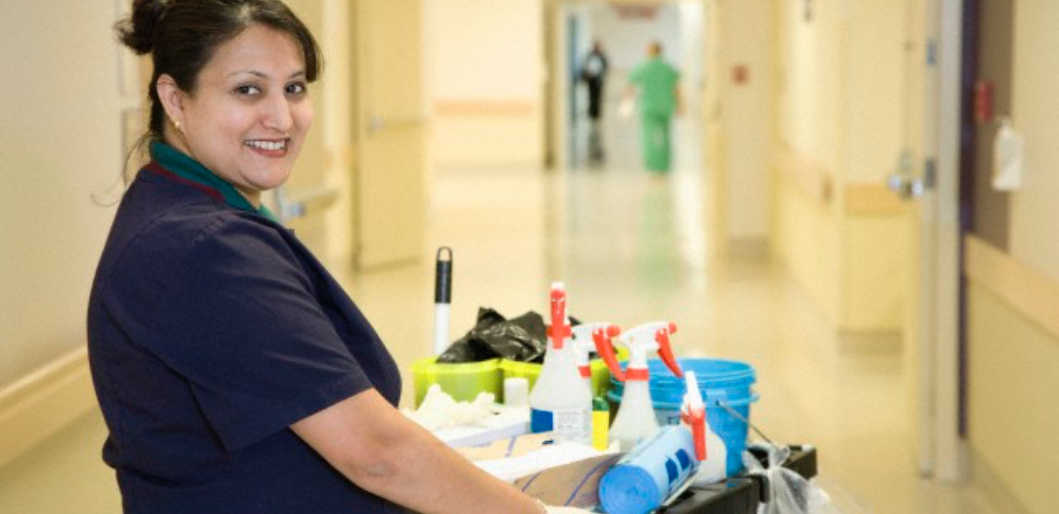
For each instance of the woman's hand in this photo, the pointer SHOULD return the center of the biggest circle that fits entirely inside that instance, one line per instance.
(382, 451)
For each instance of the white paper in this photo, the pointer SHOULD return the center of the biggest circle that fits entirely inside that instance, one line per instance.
(1008, 152)
(549, 456)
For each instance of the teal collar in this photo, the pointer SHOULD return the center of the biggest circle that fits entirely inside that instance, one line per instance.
(185, 167)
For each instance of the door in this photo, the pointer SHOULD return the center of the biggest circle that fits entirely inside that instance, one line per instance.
(928, 173)
(992, 47)
(390, 128)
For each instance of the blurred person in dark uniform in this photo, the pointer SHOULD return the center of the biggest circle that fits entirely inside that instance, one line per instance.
(594, 74)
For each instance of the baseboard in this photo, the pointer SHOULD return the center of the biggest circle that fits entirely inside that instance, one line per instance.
(40, 404)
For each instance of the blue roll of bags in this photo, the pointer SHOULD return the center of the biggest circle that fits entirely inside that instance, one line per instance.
(721, 381)
(641, 480)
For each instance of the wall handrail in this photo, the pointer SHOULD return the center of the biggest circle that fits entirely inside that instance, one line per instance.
(1029, 291)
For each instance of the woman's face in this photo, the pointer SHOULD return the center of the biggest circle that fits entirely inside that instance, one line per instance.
(250, 111)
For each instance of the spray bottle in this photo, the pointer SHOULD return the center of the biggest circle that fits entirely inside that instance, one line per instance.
(713, 465)
(636, 416)
(561, 400)
(585, 336)
(584, 343)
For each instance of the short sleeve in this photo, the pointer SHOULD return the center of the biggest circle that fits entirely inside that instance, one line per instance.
(238, 319)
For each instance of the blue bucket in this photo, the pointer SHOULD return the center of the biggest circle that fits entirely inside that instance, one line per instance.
(721, 382)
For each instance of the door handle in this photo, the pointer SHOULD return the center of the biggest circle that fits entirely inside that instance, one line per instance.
(291, 207)
(906, 183)
(906, 188)
(377, 123)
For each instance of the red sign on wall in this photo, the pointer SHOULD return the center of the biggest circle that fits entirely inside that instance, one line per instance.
(636, 12)
(740, 74)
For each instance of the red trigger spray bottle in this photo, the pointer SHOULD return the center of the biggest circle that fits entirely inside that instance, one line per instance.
(636, 416)
(584, 343)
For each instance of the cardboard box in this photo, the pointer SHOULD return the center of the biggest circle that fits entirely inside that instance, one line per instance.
(528, 460)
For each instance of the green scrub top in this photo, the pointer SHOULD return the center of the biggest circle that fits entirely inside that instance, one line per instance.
(657, 82)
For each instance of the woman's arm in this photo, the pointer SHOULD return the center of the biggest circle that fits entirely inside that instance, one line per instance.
(383, 452)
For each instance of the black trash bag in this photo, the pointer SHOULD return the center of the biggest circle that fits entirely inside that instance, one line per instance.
(461, 350)
(523, 339)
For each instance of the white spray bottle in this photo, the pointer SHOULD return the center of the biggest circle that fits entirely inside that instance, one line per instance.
(584, 344)
(561, 400)
(636, 416)
(714, 462)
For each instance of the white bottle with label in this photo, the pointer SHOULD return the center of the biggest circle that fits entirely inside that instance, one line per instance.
(561, 400)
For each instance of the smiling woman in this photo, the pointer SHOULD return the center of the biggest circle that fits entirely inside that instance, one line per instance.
(249, 113)
(234, 374)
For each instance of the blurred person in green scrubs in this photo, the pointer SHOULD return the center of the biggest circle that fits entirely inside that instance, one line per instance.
(656, 84)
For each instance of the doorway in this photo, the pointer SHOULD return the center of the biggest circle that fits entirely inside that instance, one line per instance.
(623, 32)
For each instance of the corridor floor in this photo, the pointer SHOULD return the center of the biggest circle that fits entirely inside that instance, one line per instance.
(631, 248)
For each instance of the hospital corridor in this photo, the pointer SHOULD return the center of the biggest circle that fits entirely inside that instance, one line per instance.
(840, 212)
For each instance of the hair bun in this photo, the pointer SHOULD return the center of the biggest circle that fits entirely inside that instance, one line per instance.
(137, 31)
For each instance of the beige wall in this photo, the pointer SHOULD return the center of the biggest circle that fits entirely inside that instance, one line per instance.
(485, 67)
(807, 225)
(874, 64)
(874, 262)
(839, 131)
(841, 89)
(807, 241)
(61, 143)
(1033, 230)
(1013, 379)
(746, 117)
(810, 88)
(1013, 358)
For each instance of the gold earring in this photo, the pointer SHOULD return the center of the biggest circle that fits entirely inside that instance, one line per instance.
(177, 125)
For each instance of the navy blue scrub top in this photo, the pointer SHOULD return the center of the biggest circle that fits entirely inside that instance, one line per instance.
(211, 329)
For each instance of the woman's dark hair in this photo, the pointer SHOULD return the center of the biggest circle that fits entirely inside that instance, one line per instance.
(182, 35)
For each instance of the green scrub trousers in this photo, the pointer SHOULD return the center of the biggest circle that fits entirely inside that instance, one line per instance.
(654, 140)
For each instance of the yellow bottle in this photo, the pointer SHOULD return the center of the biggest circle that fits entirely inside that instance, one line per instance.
(600, 423)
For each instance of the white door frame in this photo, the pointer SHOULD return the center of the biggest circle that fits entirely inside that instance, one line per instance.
(943, 451)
